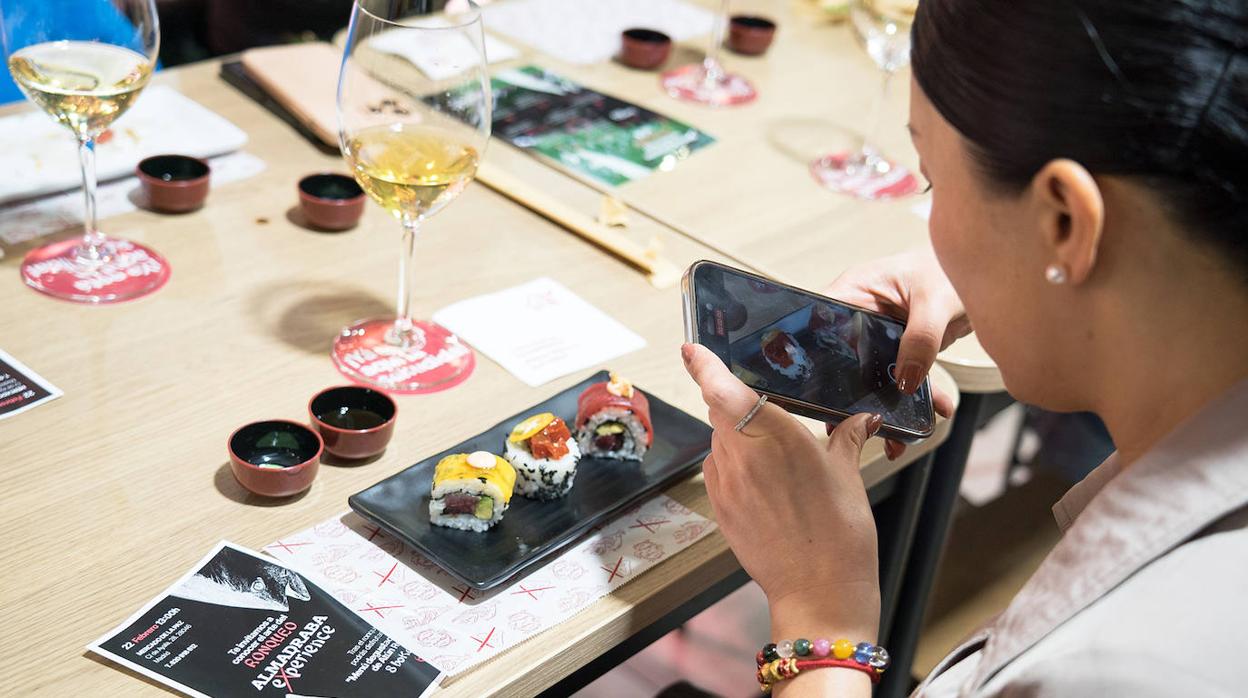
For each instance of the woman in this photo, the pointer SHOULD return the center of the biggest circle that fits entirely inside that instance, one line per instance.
(1089, 170)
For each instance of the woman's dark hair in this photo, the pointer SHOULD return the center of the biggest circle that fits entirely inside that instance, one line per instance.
(1156, 90)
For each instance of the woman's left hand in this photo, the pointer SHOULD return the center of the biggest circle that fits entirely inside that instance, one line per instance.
(793, 509)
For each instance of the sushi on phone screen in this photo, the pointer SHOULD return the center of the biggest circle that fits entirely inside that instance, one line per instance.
(818, 352)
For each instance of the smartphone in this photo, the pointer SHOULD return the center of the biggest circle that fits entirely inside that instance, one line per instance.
(811, 355)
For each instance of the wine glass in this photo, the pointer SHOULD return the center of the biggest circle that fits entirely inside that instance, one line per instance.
(707, 82)
(883, 29)
(413, 140)
(84, 62)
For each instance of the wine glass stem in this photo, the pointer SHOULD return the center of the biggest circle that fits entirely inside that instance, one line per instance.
(407, 274)
(710, 64)
(869, 152)
(92, 239)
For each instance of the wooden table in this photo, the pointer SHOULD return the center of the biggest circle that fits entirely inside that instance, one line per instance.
(117, 488)
(750, 195)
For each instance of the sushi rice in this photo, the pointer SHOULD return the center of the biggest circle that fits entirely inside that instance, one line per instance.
(542, 478)
(464, 522)
(634, 447)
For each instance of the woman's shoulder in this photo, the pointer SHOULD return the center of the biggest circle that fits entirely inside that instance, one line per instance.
(1195, 590)
(1175, 627)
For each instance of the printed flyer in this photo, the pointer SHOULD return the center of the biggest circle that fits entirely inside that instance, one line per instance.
(21, 388)
(596, 135)
(241, 624)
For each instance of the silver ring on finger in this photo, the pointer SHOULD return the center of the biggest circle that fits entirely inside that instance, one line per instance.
(762, 400)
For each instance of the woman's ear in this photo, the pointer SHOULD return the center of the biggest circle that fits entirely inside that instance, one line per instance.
(1072, 220)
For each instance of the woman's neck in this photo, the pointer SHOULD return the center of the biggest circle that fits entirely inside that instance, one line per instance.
(1173, 353)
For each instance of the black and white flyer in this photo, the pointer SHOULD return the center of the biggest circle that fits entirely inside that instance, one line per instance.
(241, 624)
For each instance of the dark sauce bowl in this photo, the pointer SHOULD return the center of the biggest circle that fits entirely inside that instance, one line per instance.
(275, 458)
(750, 35)
(355, 422)
(644, 49)
(331, 201)
(174, 183)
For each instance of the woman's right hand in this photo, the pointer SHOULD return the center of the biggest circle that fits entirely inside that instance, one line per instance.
(909, 286)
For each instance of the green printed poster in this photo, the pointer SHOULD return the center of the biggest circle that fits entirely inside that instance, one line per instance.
(596, 135)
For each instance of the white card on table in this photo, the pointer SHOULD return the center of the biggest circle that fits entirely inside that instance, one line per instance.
(539, 330)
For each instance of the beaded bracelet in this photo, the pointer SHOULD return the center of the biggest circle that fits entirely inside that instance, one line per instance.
(784, 660)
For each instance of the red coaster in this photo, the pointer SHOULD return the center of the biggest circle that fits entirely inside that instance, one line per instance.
(862, 182)
(435, 361)
(689, 83)
(132, 271)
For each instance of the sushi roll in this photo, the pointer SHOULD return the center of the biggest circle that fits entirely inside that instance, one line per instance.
(786, 356)
(544, 454)
(836, 329)
(613, 421)
(825, 325)
(470, 491)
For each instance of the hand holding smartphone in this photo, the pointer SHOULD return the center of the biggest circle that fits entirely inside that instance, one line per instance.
(810, 354)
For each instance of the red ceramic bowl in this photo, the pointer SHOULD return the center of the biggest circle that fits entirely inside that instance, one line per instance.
(275, 458)
(354, 422)
(645, 49)
(331, 201)
(174, 183)
(750, 35)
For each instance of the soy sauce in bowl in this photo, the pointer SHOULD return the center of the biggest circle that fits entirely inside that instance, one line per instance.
(355, 422)
(352, 418)
(274, 444)
(276, 449)
(276, 457)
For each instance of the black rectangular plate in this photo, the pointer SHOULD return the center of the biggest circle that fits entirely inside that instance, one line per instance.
(531, 530)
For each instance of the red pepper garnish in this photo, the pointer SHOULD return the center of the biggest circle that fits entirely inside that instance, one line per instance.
(552, 441)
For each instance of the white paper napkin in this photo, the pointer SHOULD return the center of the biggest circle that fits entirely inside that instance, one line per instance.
(41, 156)
(442, 59)
(455, 627)
(582, 32)
(539, 330)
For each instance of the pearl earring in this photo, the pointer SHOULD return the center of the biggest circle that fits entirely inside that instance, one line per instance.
(1055, 274)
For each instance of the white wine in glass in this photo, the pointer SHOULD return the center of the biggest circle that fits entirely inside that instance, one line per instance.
(883, 29)
(84, 62)
(413, 141)
(85, 85)
(411, 170)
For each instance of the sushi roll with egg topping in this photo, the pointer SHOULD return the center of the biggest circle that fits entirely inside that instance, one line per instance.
(471, 491)
(544, 454)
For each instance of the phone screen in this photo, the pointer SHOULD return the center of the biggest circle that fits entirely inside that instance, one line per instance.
(805, 347)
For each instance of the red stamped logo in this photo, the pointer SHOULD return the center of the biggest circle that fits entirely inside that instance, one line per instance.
(863, 183)
(435, 360)
(131, 272)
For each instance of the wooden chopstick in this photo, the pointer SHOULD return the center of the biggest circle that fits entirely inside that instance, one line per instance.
(661, 272)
